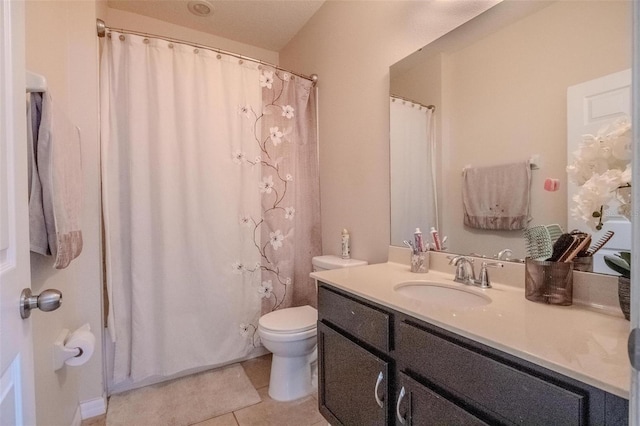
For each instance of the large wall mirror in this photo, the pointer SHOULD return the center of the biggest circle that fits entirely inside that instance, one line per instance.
(499, 86)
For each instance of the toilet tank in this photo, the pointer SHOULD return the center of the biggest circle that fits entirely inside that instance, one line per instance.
(323, 263)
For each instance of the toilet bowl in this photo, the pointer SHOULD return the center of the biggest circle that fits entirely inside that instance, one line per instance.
(291, 335)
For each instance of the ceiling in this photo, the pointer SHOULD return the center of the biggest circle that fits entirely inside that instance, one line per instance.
(269, 24)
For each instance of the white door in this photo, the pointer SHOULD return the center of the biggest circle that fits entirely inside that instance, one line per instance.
(590, 106)
(17, 401)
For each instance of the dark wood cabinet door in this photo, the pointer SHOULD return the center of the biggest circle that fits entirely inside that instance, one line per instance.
(420, 406)
(349, 377)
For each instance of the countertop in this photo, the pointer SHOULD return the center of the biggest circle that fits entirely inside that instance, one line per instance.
(572, 340)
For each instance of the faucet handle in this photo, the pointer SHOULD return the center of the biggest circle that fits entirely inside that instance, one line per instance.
(484, 281)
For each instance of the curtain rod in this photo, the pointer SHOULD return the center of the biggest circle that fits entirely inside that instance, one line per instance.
(433, 107)
(102, 32)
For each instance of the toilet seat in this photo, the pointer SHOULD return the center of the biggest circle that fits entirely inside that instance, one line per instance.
(289, 320)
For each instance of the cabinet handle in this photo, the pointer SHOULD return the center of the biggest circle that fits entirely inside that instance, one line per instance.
(375, 391)
(400, 398)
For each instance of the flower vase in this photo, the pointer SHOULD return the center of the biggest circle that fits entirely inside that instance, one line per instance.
(624, 295)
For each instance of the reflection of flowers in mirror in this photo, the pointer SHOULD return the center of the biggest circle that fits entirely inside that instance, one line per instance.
(602, 170)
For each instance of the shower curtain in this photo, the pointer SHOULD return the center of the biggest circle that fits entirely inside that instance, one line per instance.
(205, 219)
(413, 195)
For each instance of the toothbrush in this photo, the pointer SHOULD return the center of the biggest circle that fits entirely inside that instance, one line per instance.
(410, 245)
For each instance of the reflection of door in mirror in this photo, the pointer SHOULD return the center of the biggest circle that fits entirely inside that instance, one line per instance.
(413, 196)
(591, 106)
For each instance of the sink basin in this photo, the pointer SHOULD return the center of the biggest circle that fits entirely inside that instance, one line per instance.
(442, 294)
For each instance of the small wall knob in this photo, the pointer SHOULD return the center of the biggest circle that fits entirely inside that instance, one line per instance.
(48, 300)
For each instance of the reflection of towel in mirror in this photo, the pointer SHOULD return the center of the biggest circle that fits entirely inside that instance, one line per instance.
(55, 199)
(497, 197)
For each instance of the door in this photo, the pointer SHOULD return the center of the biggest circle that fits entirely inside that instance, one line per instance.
(353, 383)
(591, 106)
(17, 401)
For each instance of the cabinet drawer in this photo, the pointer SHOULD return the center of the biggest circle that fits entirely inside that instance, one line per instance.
(503, 391)
(364, 322)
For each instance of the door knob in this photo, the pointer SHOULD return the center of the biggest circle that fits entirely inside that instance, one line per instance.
(48, 300)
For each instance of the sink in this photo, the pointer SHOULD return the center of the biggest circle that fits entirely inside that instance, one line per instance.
(441, 294)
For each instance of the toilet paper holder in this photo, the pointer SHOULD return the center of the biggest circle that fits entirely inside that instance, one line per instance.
(62, 353)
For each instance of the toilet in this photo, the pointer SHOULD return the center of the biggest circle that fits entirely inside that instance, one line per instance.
(290, 334)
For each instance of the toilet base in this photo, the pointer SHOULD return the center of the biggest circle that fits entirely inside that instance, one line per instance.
(290, 378)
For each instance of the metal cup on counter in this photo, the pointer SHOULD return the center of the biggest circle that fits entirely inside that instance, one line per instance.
(420, 262)
(549, 282)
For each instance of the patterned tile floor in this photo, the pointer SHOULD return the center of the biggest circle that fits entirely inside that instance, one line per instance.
(301, 412)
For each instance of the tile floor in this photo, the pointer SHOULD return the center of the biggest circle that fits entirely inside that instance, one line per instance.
(301, 412)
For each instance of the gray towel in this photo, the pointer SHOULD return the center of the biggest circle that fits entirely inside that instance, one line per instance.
(37, 224)
(497, 197)
(55, 198)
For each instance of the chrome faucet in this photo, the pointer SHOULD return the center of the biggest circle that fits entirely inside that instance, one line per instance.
(465, 273)
(464, 269)
(504, 254)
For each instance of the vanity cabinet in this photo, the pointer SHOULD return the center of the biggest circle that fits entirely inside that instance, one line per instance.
(382, 367)
(353, 365)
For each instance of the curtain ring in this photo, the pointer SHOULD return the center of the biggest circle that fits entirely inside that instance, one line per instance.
(196, 51)
(219, 56)
(121, 37)
(241, 62)
(170, 45)
(145, 41)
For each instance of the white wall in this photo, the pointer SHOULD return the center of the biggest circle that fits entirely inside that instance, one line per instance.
(61, 45)
(350, 45)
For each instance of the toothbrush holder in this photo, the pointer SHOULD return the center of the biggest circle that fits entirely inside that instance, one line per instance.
(420, 262)
(549, 282)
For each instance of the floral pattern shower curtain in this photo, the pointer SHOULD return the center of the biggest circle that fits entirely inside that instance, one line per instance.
(287, 233)
(207, 212)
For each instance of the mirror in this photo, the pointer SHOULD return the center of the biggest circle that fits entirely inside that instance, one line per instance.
(499, 85)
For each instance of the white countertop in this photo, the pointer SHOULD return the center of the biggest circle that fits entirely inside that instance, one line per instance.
(572, 340)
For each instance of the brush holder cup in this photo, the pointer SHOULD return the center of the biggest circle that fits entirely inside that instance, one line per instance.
(549, 282)
(420, 262)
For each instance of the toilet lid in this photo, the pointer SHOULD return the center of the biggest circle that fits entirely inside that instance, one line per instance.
(290, 320)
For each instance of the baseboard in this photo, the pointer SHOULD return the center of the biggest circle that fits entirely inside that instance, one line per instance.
(93, 407)
(77, 418)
